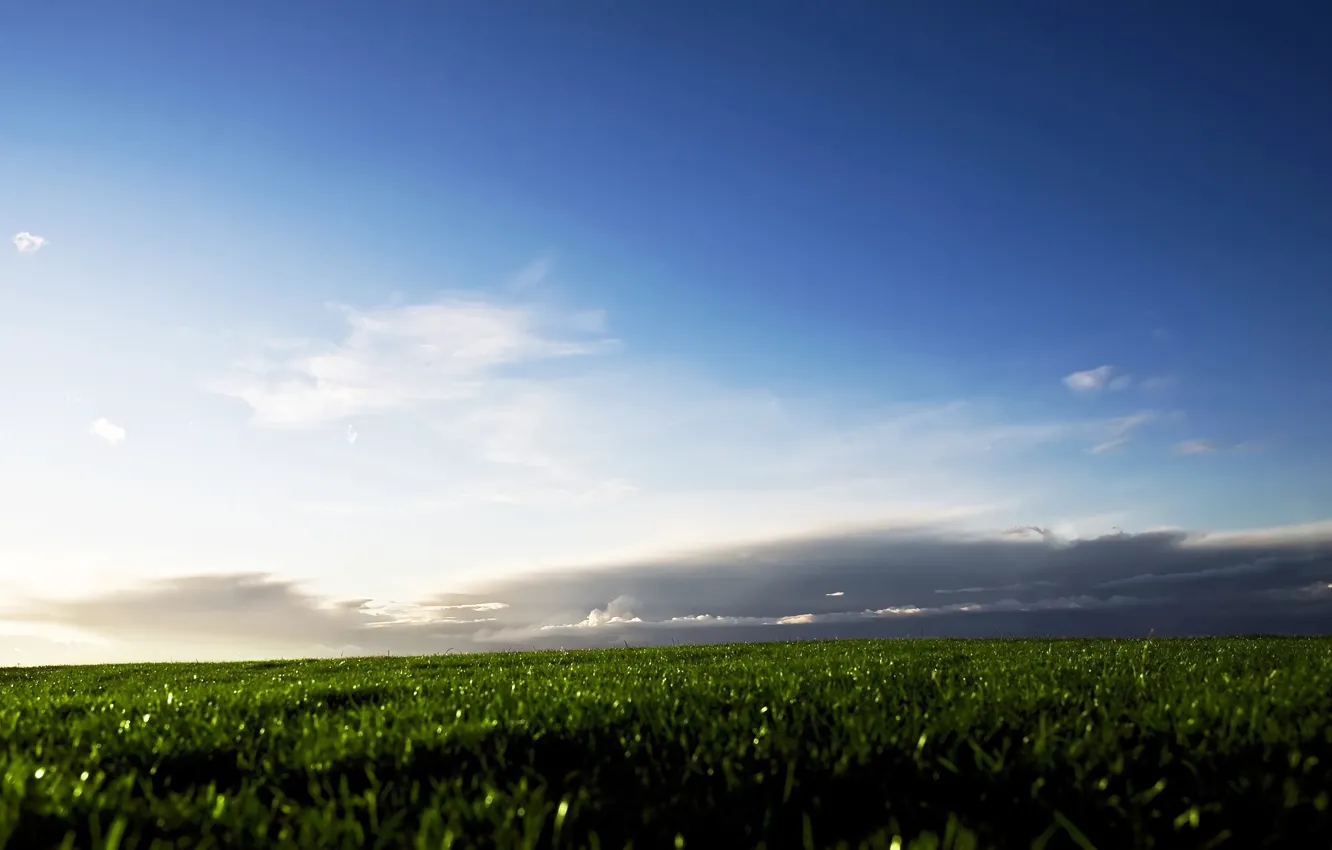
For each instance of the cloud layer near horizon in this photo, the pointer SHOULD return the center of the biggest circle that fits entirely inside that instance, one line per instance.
(428, 435)
(869, 584)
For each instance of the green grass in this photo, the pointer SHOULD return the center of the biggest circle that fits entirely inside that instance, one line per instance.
(926, 743)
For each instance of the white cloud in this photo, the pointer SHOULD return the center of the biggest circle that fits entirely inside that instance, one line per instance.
(1063, 603)
(835, 593)
(624, 619)
(401, 358)
(618, 612)
(387, 614)
(351, 435)
(106, 430)
(1090, 380)
(28, 243)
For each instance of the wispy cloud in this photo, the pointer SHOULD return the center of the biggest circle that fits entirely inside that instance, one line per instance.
(400, 358)
(1095, 380)
(1118, 431)
(1245, 568)
(532, 274)
(474, 606)
(1113, 444)
(1204, 447)
(106, 430)
(28, 243)
(352, 435)
(1007, 588)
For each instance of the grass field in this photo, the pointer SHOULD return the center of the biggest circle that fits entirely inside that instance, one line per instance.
(925, 743)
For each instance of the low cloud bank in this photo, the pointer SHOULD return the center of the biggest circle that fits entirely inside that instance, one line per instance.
(889, 584)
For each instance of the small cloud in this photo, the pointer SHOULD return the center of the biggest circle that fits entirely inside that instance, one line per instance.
(1063, 603)
(835, 593)
(1122, 382)
(107, 430)
(1157, 383)
(618, 612)
(28, 243)
(1196, 447)
(351, 435)
(1090, 380)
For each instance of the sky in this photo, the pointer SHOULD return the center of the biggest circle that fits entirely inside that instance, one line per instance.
(344, 327)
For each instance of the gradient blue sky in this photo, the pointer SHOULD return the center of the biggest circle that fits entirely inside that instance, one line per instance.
(692, 273)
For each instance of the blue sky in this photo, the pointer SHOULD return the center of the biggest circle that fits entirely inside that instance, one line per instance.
(394, 298)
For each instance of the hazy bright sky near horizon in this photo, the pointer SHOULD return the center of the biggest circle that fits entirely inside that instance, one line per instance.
(395, 298)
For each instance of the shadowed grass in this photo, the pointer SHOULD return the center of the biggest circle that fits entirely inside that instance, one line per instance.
(929, 743)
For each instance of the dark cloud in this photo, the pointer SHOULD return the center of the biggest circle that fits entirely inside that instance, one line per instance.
(896, 584)
(880, 571)
(889, 585)
(253, 610)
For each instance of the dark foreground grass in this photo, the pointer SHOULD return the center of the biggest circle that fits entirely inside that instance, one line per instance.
(1108, 744)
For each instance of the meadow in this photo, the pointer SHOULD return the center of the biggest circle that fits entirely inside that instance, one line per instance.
(893, 744)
